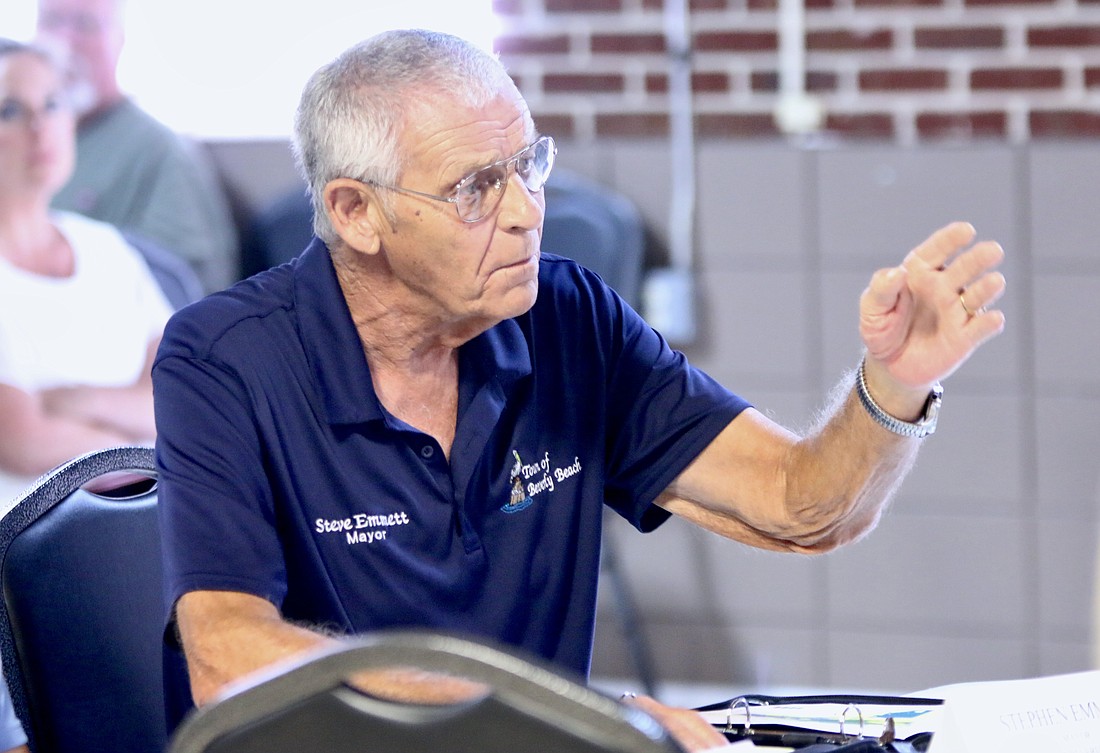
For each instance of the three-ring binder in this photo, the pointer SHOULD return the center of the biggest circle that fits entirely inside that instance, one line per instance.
(895, 723)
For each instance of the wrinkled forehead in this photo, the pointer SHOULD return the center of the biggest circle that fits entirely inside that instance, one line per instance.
(456, 137)
(440, 111)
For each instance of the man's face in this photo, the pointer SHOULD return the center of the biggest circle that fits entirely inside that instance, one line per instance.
(90, 32)
(481, 272)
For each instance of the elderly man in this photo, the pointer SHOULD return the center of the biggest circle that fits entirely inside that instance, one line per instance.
(419, 420)
(131, 170)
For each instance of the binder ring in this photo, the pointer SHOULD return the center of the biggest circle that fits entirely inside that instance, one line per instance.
(844, 715)
(744, 703)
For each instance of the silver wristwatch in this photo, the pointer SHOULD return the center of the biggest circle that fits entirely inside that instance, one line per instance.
(922, 427)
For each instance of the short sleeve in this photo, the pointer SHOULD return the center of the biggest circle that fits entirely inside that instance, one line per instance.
(661, 411)
(216, 509)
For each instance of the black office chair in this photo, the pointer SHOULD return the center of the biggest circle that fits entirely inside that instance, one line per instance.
(278, 232)
(530, 708)
(597, 227)
(81, 623)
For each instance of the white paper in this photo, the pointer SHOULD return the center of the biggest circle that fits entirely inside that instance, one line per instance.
(1058, 714)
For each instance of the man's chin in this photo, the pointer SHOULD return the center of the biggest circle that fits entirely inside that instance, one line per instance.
(524, 297)
(517, 301)
(82, 98)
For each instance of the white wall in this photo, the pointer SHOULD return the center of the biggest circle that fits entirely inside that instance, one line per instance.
(983, 568)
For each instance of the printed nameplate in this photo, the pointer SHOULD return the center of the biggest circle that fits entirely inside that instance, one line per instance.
(1057, 714)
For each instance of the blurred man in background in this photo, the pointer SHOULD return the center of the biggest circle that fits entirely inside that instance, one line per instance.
(132, 171)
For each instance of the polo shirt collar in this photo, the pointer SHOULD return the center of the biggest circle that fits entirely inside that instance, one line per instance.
(340, 372)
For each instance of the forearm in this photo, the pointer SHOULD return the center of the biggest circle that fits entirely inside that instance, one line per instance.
(760, 484)
(125, 411)
(842, 473)
(229, 636)
(50, 441)
(765, 486)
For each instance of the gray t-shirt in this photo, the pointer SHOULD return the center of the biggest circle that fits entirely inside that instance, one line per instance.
(135, 173)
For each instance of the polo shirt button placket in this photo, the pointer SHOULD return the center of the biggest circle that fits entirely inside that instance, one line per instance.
(427, 452)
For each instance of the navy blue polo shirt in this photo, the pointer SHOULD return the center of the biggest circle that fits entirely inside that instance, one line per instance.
(283, 476)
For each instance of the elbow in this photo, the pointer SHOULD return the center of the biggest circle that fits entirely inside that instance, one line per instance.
(202, 692)
(207, 683)
(820, 535)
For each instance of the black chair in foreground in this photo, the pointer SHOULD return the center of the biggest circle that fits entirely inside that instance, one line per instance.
(529, 707)
(82, 615)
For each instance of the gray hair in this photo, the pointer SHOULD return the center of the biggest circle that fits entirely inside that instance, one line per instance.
(353, 110)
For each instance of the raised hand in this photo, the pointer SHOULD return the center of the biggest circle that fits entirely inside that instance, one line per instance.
(921, 320)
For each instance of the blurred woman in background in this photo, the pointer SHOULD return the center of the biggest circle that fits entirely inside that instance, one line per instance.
(80, 312)
(13, 739)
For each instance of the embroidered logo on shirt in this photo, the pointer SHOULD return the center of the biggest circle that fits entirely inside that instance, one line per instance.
(527, 480)
(518, 499)
(362, 528)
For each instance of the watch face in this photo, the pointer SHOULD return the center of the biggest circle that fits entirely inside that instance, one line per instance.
(922, 427)
(932, 407)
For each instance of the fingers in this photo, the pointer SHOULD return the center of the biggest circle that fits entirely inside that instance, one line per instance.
(974, 264)
(885, 302)
(980, 324)
(687, 727)
(965, 280)
(922, 320)
(886, 298)
(882, 293)
(985, 325)
(943, 244)
(982, 293)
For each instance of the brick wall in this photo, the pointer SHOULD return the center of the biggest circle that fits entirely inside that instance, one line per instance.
(906, 71)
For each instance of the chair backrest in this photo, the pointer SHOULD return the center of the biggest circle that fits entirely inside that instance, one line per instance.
(531, 708)
(179, 283)
(278, 232)
(598, 228)
(81, 623)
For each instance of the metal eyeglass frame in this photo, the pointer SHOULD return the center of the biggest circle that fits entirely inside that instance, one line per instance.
(496, 186)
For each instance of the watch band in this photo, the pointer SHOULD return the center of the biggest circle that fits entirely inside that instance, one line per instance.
(922, 427)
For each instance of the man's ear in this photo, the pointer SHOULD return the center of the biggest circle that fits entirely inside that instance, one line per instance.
(348, 204)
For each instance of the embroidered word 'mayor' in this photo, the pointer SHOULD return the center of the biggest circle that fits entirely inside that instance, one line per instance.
(362, 528)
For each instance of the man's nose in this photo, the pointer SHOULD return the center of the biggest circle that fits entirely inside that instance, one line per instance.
(521, 207)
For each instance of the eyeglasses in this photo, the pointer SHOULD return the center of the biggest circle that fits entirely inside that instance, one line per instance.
(16, 111)
(479, 193)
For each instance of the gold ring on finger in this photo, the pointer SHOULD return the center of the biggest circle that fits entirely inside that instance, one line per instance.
(962, 301)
